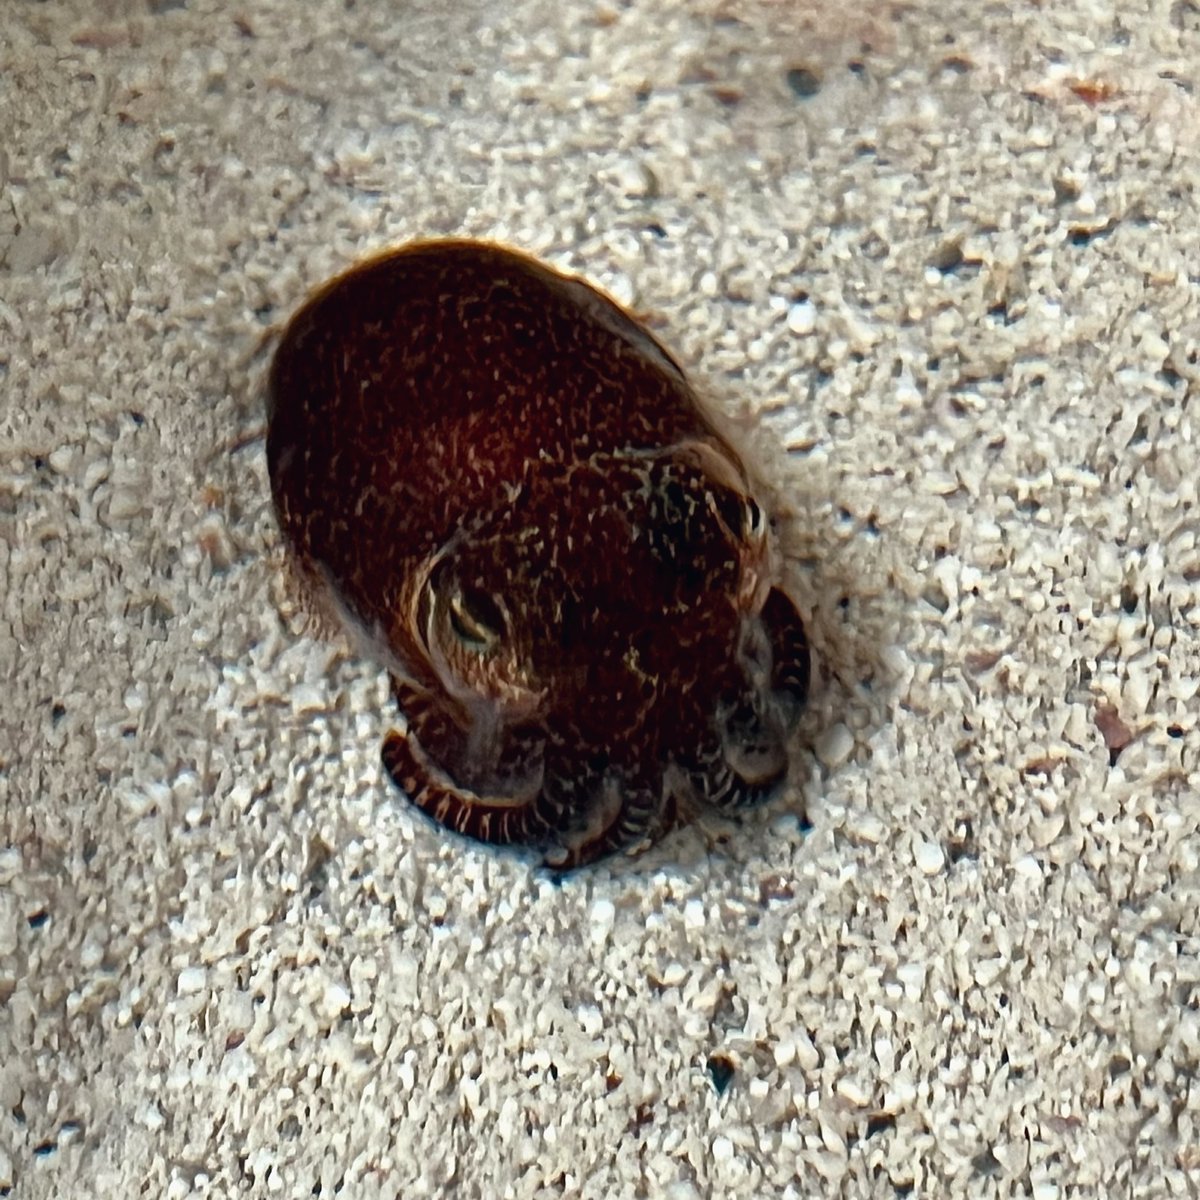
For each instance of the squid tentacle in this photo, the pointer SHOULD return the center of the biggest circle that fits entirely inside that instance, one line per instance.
(715, 783)
(497, 820)
(791, 662)
(639, 814)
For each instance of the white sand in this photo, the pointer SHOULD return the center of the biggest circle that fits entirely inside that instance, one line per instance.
(232, 961)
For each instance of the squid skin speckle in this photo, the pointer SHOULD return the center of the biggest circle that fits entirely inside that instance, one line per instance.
(506, 483)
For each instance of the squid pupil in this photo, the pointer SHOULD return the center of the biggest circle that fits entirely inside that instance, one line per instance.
(476, 619)
(741, 514)
(754, 515)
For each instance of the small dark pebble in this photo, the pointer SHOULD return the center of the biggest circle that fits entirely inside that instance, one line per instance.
(804, 82)
(721, 1070)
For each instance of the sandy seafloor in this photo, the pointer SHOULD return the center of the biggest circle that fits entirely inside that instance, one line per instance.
(943, 260)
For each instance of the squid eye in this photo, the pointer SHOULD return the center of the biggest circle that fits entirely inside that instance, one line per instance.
(739, 513)
(476, 619)
(756, 519)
